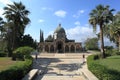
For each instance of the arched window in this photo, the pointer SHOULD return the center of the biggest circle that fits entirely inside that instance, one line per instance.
(46, 48)
(66, 48)
(78, 49)
(41, 48)
(72, 48)
(51, 48)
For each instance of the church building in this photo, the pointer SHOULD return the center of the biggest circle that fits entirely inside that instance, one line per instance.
(59, 43)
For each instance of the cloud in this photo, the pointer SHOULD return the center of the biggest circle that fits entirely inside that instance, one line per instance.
(77, 23)
(60, 13)
(41, 21)
(79, 12)
(80, 33)
(46, 8)
(5, 2)
(107, 42)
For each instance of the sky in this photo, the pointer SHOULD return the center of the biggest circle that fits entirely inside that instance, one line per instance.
(73, 15)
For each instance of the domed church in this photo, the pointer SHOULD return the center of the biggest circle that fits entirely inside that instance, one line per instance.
(59, 43)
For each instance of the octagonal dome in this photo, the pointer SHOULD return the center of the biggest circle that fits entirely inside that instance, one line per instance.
(59, 29)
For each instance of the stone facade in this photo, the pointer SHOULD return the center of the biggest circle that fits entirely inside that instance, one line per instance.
(58, 43)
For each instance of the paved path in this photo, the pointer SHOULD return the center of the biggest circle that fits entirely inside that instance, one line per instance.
(59, 67)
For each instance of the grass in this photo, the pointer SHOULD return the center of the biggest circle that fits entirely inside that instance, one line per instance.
(105, 69)
(112, 62)
(6, 62)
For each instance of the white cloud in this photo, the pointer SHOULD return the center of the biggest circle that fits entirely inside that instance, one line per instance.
(46, 8)
(107, 42)
(41, 21)
(77, 23)
(5, 2)
(80, 33)
(60, 13)
(79, 12)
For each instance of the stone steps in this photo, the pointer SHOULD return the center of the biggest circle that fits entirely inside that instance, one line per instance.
(63, 78)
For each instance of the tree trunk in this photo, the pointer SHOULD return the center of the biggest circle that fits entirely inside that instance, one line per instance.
(102, 41)
(119, 43)
(9, 48)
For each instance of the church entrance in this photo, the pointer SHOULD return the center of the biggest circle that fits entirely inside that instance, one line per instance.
(60, 47)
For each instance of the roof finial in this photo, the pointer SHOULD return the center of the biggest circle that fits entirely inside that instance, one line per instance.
(59, 24)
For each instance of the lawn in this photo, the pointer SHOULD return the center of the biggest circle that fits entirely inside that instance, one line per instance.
(5, 62)
(112, 62)
(105, 69)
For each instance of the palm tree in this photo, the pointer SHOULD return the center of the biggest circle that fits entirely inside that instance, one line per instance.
(17, 15)
(100, 16)
(115, 29)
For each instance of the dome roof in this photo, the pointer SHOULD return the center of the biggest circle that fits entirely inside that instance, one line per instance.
(59, 29)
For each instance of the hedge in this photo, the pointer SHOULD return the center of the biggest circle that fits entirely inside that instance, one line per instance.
(2, 54)
(16, 72)
(20, 68)
(22, 52)
(100, 71)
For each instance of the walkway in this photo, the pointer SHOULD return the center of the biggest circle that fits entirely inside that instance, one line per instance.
(59, 67)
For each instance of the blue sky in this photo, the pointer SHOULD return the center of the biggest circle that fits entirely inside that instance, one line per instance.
(72, 14)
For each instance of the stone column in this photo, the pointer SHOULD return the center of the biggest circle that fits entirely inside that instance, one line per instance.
(75, 48)
(69, 49)
(54, 49)
(49, 49)
(43, 48)
(64, 48)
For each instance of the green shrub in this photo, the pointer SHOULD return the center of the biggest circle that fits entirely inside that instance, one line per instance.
(97, 56)
(22, 52)
(108, 47)
(116, 52)
(112, 52)
(108, 52)
(18, 71)
(2, 54)
(100, 71)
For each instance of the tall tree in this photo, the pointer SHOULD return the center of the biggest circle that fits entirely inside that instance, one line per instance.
(27, 40)
(91, 44)
(16, 14)
(114, 29)
(41, 36)
(100, 16)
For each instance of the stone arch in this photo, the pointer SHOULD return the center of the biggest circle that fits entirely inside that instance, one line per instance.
(59, 46)
(72, 48)
(78, 48)
(46, 48)
(52, 48)
(66, 48)
(41, 48)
